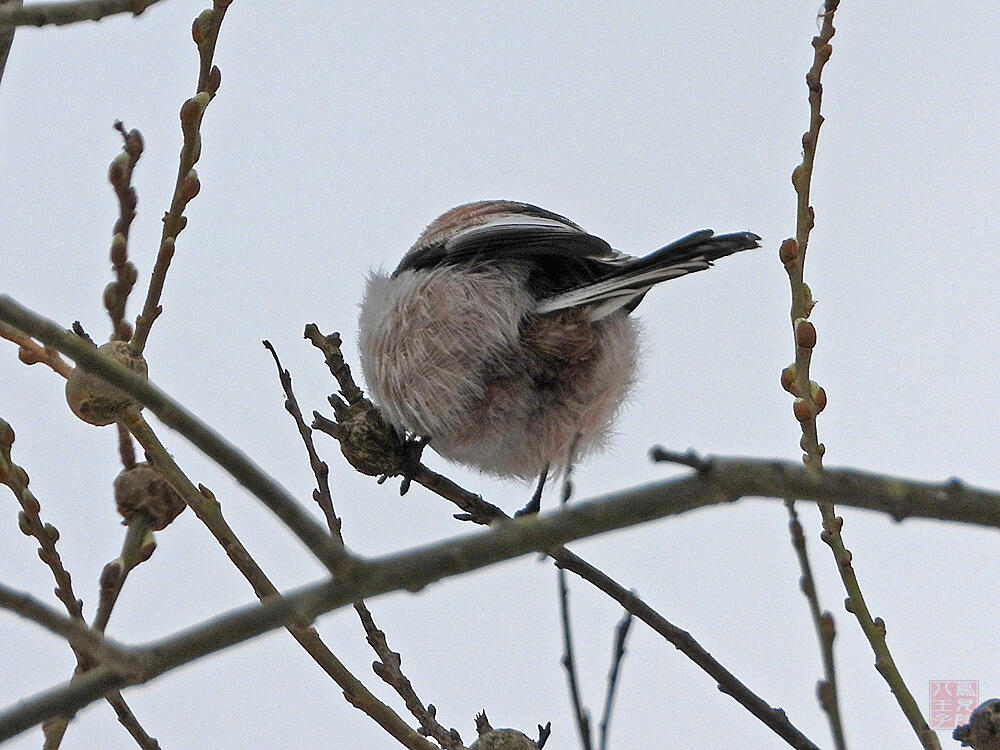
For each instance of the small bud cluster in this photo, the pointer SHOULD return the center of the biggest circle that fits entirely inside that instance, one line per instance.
(143, 490)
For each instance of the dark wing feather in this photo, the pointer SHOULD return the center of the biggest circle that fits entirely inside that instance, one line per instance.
(623, 285)
(514, 241)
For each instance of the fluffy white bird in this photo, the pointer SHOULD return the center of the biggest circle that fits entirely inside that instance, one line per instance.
(505, 336)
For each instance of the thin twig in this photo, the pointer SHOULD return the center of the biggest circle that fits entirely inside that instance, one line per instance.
(580, 712)
(30, 523)
(389, 666)
(128, 720)
(320, 469)
(341, 371)
(689, 458)
(136, 548)
(810, 399)
(187, 186)
(62, 13)
(825, 628)
(389, 669)
(617, 658)
(175, 416)
(46, 535)
(116, 293)
(30, 352)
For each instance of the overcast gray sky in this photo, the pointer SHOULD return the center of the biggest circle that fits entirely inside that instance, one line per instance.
(339, 132)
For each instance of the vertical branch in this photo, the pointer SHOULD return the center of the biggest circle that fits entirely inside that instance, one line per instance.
(117, 292)
(580, 712)
(621, 635)
(810, 399)
(826, 631)
(205, 32)
(30, 523)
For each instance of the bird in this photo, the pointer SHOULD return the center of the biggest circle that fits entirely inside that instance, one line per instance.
(505, 338)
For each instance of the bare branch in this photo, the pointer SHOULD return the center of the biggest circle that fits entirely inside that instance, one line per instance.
(826, 630)
(137, 547)
(205, 32)
(62, 13)
(175, 416)
(410, 570)
(621, 635)
(120, 176)
(580, 712)
(389, 669)
(30, 352)
(898, 497)
(84, 639)
(389, 666)
(810, 398)
(128, 720)
(46, 535)
(321, 471)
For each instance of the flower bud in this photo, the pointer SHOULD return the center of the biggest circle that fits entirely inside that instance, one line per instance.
(818, 396)
(190, 186)
(789, 251)
(802, 410)
(805, 334)
(119, 249)
(788, 376)
(118, 169)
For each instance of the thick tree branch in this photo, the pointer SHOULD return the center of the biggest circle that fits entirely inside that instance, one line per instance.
(411, 570)
(60, 14)
(724, 480)
(81, 637)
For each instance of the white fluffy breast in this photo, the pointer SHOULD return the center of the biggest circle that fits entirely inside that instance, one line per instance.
(426, 337)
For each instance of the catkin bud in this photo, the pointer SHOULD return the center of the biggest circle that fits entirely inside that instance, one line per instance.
(789, 251)
(802, 410)
(805, 334)
(788, 376)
